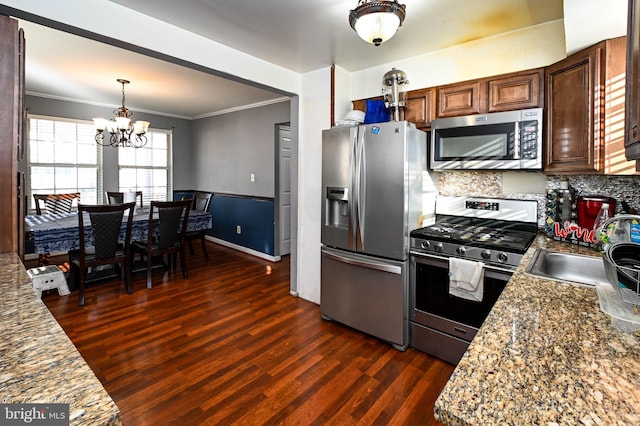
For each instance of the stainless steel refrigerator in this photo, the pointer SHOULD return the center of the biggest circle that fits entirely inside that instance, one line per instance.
(372, 187)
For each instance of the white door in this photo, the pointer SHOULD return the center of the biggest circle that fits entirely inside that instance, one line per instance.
(284, 189)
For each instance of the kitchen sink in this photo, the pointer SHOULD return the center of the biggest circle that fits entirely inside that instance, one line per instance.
(571, 268)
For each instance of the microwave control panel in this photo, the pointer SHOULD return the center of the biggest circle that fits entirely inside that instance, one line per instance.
(529, 140)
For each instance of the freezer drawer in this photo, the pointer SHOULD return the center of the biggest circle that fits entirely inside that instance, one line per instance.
(366, 293)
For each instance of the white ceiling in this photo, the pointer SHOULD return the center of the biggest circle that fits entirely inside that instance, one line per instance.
(301, 35)
(63, 66)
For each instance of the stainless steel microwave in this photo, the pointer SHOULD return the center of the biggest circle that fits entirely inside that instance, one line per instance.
(509, 140)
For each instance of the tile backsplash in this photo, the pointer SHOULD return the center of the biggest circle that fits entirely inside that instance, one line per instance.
(493, 184)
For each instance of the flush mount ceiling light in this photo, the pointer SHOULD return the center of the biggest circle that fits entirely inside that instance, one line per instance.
(121, 128)
(377, 21)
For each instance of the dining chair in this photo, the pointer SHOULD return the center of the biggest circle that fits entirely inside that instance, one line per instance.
(167, 237)
(53, 203)
(100, 242)
(118, 197)
(201, 202)
(56, 203)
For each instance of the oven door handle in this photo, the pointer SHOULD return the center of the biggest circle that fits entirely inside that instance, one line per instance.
(446, 259)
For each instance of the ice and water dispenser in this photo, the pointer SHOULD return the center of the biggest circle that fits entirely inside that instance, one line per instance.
(337, 207)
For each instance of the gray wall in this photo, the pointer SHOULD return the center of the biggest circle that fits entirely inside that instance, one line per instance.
(216, 154)
(182, 138)
(228, 148)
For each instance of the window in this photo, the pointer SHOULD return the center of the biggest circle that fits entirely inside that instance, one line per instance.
(63, 157)
(148, 169)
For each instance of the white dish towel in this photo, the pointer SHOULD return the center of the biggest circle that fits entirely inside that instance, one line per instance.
(466, 279)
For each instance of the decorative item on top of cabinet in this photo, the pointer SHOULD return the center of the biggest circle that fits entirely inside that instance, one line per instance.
(632, 101)
(584, 112)
(518, 91)
(461, 99)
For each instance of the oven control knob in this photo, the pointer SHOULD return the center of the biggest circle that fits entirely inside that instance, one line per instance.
(438, 247)
(461, 250)
(486, 254)
(502, 257)
(425, 244)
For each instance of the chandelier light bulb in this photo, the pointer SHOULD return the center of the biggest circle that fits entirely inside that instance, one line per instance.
(122, 123)
(377, 27)
(140, 127)
(100, 123)
(377, 21)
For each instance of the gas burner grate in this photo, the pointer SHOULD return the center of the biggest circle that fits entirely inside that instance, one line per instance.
(478, 235)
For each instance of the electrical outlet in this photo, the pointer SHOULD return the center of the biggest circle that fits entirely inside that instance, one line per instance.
(238, 230)
(253, 177)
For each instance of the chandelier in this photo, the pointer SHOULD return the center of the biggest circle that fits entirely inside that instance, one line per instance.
(377, 21)
(122, 131)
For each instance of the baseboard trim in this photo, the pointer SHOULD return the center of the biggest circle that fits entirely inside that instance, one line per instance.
(243, 249)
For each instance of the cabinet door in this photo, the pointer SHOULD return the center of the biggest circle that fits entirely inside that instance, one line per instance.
(632, 113)
(359, 105)
(460, 99)
(516, 92)
(420, 107)
(9, 121)
(572, 109)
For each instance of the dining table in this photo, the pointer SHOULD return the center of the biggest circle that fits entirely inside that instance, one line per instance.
(59, 232)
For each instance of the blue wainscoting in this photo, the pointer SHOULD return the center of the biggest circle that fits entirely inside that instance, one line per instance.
(254, 216)
(179, 194)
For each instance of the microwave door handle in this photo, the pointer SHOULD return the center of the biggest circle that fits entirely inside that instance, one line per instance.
(517, 145)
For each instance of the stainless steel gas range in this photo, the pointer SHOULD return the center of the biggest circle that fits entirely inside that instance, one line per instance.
(488, 233)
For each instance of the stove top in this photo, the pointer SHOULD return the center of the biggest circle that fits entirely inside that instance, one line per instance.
(512, 237)
(493, 231)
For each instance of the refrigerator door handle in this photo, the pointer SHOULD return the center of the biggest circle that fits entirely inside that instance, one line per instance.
(353, 199)
(378, 266)
(362, 191)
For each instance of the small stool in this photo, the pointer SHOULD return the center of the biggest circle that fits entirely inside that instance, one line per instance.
(47, 278)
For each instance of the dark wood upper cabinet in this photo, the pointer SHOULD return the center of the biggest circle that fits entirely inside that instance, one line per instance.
(519, 91)
(421, 107)
(585, 111)
(632, 99)
(461, 99)
(571, 145)
(506, 92)
(359, 105)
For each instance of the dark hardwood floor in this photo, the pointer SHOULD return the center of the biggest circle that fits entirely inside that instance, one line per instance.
(231, 346)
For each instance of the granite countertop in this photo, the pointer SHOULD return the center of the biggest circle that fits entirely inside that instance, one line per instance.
(545, 355)
(38, 362)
